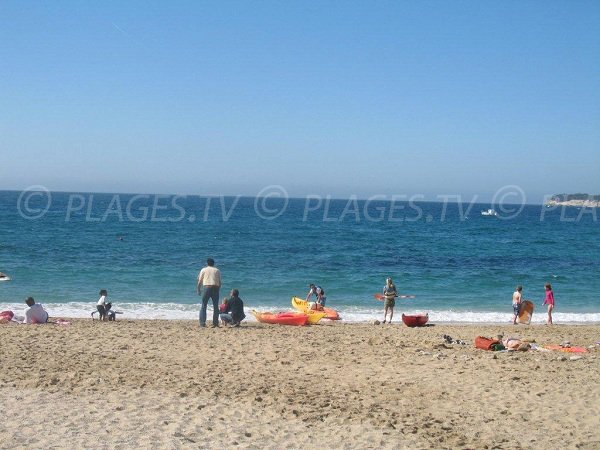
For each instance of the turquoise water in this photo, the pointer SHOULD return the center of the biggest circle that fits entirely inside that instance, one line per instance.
(146, 251)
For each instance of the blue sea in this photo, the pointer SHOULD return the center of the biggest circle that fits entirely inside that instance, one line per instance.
(146, 250)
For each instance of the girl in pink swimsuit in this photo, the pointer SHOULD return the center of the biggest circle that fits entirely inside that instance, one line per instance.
(549, 300)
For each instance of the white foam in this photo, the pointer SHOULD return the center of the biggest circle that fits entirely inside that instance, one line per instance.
(178, 311)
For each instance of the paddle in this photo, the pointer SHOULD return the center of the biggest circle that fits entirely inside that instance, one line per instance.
(381, 297)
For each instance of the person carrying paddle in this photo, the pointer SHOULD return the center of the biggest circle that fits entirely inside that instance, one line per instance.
(389, 294)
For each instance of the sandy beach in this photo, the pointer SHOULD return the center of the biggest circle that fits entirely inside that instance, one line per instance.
(169, 384)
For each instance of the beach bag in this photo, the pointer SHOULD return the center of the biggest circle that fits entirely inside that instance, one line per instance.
(485, 343)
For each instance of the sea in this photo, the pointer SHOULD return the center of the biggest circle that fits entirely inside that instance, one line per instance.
(146, 251)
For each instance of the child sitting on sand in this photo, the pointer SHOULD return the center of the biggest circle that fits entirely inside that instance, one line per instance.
(233, 311)
(223, 310)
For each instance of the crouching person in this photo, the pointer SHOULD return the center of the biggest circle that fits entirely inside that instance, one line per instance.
(233, 312)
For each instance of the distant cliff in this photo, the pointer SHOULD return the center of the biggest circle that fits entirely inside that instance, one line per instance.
(582, 200)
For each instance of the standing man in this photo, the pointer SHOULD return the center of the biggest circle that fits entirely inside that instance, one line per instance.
(210, 278)
(516, 303)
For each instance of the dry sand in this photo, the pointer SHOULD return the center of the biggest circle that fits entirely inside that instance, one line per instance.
(169, 384)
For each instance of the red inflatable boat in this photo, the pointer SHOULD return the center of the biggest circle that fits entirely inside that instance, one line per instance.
(417, 320)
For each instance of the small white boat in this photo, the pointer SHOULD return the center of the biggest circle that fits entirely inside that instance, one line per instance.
(489, 212)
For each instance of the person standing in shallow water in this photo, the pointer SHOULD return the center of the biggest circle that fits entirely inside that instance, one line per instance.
(209, 278)
(516, 303)
(389, 294)
(549, 300)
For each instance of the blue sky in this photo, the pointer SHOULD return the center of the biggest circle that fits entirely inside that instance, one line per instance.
(321, 97)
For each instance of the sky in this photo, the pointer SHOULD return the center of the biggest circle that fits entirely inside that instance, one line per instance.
(325, 97)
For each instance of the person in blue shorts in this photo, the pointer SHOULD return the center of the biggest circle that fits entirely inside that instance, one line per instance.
(319, 293)
(516, 303)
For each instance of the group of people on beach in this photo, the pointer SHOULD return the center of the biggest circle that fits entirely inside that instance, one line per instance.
(231, 310)
(517, 302)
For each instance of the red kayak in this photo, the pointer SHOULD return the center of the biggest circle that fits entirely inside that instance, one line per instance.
(417, 320)
(286, 318)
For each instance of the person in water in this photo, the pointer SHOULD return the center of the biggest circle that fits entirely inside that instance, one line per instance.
(319, 293)
(389, 294)
(516, 303)
(549, 300)
(34, 313)
(233, 312)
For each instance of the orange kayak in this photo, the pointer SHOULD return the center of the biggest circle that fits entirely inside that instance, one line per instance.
(286, 318)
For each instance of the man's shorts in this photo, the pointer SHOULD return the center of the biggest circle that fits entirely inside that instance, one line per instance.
(516, 308)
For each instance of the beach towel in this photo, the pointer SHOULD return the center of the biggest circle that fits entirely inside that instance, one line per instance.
(560, 348)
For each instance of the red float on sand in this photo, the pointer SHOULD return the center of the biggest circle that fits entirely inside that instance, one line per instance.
(6, 316)
(417, 320)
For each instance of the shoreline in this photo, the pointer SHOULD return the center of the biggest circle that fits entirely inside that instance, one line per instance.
(365, 318)
(324, 322)
(172, 311)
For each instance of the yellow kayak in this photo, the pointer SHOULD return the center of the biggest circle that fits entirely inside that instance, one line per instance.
(302, 305)
(315, 316)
